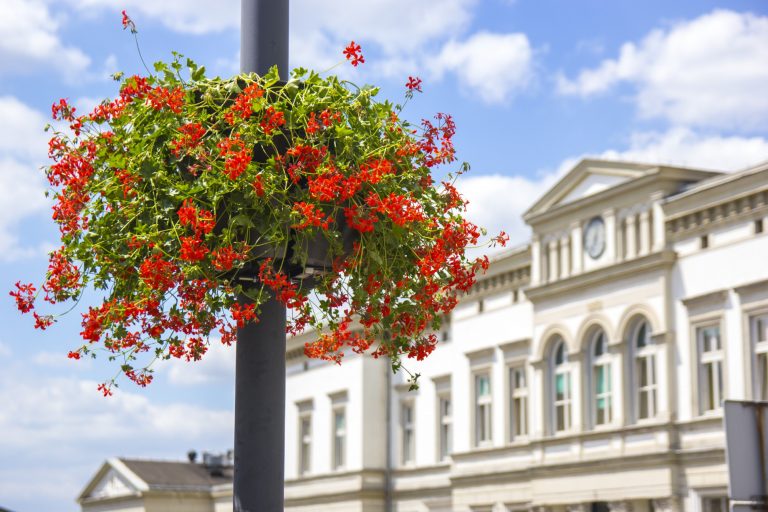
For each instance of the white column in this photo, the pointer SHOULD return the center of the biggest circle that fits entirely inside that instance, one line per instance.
(535, 260)
(630, 247)
(552, 274)
(658, 224)
(565, 257)
(576, 249)
(610, 234)
(645, 233)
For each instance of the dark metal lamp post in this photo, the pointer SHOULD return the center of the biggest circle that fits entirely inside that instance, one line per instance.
(260, 353)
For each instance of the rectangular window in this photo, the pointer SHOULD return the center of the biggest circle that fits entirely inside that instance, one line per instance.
(339, 437)
(305, 442)
(482, 409)
(758, 226)
(602, 380)
(406, 433)
(518, 403)
(710, 368)
(445, 430)
(562, 400)
(758, 326)
(645, 368)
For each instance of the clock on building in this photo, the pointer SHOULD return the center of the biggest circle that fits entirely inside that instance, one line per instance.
(594, 237)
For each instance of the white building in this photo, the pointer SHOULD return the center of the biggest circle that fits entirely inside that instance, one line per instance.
(585, 371)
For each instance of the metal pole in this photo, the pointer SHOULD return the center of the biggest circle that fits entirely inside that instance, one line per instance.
(260, 353)
(260, 412)
(264, 36)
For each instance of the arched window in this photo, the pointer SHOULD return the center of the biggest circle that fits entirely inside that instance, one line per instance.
(562, 395)
(643, 371)
(600, 385)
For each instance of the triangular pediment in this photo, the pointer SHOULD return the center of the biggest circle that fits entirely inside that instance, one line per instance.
(112, 485)
(112, 480)
(587, 178)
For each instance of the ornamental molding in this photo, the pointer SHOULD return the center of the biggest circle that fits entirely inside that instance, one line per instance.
(556, 289)
(510, 280)
(748, 207)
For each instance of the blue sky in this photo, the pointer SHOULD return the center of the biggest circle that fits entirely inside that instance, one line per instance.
(533, 86)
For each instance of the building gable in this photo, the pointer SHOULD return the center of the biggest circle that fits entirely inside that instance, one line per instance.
(112, 485)
(588, 178)
(112, 480)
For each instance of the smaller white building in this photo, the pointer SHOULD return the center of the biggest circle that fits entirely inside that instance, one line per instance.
(131, 485)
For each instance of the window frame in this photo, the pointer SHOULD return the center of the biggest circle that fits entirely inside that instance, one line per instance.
(515, 393)
(757, 349)
(556, 370)
(648, 354)
(305, 439)
(486, 404)
(444, 426)
(709, 358)
(595, 362)
(339, 440)
(407, 433)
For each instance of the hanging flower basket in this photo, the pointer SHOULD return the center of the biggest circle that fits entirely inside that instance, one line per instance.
(186, 191)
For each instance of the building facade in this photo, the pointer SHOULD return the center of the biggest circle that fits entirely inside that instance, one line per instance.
(584, 372)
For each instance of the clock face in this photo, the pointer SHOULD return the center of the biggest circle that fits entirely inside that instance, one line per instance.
(594, 237)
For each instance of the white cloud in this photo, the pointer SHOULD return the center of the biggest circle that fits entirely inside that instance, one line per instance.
(682, 146)
(59, 430)
(21, 195)
(185, 16)
(707, 72)
(497, 202)
(396, 26)
(218, 365)
(30, 40)
(492, 66)
(23, 147)
(22, 132)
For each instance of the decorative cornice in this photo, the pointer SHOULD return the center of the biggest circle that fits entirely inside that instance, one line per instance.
(732, 210)
(658, 260)
(517, 278)
(749, 288)
(705, 299)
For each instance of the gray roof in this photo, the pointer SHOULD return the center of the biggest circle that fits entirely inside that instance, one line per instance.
(177, 475)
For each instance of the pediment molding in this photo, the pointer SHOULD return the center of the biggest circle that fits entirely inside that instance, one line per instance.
(587, 178)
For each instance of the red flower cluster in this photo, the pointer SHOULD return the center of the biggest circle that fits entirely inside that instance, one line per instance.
(128, 22)
(24, 294)
(304, 160)
(353, 53)
(224, 258)
(161, 97)
(192, 249)
(191, 134)
(243, 107)
(400, 209)
(201, 221)
(413, 84)
(63, 278)
(236, 156)
(436, 142)
(157, 273)
(311, 215)
(272, 120)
